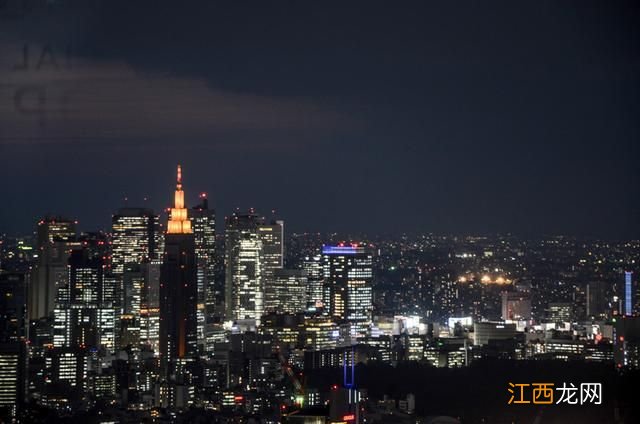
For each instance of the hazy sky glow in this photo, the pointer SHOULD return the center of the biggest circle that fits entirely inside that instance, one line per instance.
(447, 117)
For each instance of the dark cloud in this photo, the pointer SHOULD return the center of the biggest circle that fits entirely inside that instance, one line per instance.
(420, 116)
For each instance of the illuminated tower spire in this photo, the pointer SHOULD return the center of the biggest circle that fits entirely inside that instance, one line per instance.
(178, 288)
(179, 223)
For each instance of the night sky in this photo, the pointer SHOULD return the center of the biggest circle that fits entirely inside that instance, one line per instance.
(447, 117)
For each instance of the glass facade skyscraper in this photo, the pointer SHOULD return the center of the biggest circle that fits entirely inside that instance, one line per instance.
(203, 222)
(244, 291)
(136, 237)
(287, 292)
(55, 238)
(348, 273)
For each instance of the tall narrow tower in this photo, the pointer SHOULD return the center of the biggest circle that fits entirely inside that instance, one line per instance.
(56, 239)
(244, 291)
(203, 222)
(348, 273)
(178, 286)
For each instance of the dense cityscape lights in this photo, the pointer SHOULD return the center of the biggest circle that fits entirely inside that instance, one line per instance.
(156, 335)
(356, 212)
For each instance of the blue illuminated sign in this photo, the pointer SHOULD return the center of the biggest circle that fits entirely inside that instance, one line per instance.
(627, 293)
(339, 250)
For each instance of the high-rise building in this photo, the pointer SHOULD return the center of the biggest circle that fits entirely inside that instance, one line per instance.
(66, 369)
(135, 237)
(272, 236)
(13, 306)
(596, 299)
(55, 238)
(13, 378)
(203, 222)
(320, 333)
(84, 284)
(628, 293)
(636, 296)
(560, 312)
(150, 306)
(271, 258)
(312, 265)
(13, 334)
(244, 292)
(82, 317)
(287, 292)
(53, 229)
(516, 306)
(445, 294)
(348, 273)
(133, 282)
(178, 285)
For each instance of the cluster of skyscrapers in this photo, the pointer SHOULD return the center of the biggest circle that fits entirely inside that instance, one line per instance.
(149, 315)
(155, 319)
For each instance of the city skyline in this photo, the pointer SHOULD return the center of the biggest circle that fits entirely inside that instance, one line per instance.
(196, 200)
(362, 212)
(166, 322)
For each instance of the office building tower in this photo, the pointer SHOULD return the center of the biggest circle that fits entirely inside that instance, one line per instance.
(13, 306)
(348, 273)
(128, 321)
(141, 308)
(628, 293)
(203, 222)
(516, 306)
(560, 312)
(150, 306)
(445, 294)
(135, 237)
(67, 371)
(636, 297)
(84, 285)
(129, 332)
(483, 332)
(55, 229)
(82, 317)
(75, 318)
(271, 257)
(55, 238)
(272, 237)
(133, 282)
(13, 378)
(75, 326)
(312, 265)
(106, 327)
(597, 294)
(178, 285)
(287, 292)
(244, 293)
(97, 245)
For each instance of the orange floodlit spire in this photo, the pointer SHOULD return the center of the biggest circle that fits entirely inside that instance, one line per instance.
(178, 220)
